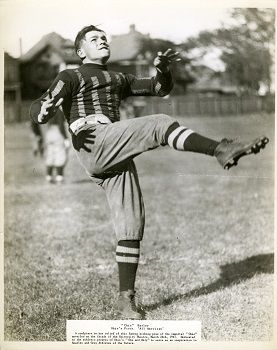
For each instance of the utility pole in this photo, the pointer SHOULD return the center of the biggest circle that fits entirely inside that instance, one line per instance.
(20, 47)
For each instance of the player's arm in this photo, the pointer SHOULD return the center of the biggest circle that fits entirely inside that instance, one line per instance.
(38, 139)
(159, 85)
(46, 106)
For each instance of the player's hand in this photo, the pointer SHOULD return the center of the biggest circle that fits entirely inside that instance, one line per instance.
(163, 60)
(83, 140)
(48, 108)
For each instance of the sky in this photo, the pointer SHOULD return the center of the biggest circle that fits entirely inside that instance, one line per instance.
(170, 19)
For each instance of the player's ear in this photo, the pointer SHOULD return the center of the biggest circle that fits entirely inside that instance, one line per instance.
(80, 53)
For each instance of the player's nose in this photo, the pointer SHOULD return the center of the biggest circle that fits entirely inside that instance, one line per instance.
(102, 42)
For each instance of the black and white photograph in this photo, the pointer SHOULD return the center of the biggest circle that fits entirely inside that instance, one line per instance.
(138, 174)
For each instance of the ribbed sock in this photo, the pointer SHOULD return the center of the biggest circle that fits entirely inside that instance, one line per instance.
(185, 139)
(49, 170)
(127, 257)
(60, 170)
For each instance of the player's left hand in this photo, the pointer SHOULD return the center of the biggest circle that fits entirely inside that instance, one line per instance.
(83, 140)
(163, 60)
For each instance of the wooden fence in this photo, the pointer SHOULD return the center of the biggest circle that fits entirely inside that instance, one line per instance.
(203, 105)
(176, 106)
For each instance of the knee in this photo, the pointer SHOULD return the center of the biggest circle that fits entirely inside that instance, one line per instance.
(162, 124)
(164, 121)
(164, 117)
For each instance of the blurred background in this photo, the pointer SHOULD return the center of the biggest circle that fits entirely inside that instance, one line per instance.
(227, 55)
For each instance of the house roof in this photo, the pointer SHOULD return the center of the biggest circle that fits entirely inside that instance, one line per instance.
(126, 46)
(208, 80)
(123, 47)
(58, 43)
(8, 57)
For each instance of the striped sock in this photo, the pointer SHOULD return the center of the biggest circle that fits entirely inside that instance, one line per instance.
(185, 139)
(127, 257)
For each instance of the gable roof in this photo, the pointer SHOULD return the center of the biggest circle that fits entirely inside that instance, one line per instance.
(209, 80)
(126, 46)
(56, 42)
(123, 47)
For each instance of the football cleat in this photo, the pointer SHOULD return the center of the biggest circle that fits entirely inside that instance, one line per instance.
(59, 179)
(127, 306)
(228, 152)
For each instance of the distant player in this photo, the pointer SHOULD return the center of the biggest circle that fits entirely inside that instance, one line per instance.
(90, 96)
(53, 144)
(57, 145)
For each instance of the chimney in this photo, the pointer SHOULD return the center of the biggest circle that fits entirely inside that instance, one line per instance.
(132, 28)
(20, 47)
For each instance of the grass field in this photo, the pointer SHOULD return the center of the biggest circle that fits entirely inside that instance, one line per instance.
(207, 252)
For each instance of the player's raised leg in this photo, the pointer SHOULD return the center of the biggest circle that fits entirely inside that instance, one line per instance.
(227, 152)
(120, 141)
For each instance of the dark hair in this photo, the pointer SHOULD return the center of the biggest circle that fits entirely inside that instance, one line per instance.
(82, 33)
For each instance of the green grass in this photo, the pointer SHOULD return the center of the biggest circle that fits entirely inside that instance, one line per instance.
(207, 252)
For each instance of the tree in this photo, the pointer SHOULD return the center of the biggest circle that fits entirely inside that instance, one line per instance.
(181, 71)
(247, 47)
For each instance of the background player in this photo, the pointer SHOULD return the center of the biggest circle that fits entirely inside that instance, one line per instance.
(105, 146)
(53, 144)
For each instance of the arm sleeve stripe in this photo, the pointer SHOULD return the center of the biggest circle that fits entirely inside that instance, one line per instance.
(158, 88)
(58, 88)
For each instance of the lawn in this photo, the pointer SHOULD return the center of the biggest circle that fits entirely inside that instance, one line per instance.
(207, 252)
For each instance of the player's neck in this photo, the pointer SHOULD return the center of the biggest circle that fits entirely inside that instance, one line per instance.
(96, 61)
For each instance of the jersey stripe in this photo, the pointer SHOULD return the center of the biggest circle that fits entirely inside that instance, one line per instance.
(108, 92)
(80, 96)
(95, 96)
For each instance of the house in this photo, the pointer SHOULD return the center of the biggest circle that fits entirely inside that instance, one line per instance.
(126, 53)
(210, 82)
(12, 88)
(40, 65)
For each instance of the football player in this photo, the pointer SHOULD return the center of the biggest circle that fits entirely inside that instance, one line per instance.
(106, 146)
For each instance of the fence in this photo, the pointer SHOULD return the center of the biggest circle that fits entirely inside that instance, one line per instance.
(176, 106)
(203, 105)
(16, 112)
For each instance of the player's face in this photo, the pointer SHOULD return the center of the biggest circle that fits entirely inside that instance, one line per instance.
(95, 47)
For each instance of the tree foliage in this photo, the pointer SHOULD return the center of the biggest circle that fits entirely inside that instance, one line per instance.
(246, 44)
(181, 71)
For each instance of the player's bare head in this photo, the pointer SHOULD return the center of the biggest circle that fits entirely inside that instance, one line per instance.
(82, 33)
(86, 36)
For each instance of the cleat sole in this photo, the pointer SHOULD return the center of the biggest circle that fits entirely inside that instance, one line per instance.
(250, 149)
